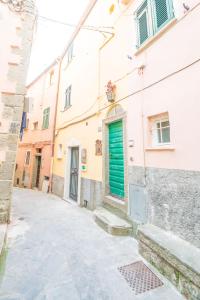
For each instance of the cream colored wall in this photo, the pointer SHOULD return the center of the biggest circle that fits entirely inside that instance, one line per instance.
(88, 92)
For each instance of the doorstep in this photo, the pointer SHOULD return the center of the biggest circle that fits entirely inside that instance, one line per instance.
(111, 223)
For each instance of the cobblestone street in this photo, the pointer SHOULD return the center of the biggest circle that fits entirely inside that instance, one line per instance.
(56, 251)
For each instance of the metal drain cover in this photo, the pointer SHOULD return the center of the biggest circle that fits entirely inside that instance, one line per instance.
(140, 278)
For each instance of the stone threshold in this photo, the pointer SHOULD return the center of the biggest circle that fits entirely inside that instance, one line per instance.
(112, 223)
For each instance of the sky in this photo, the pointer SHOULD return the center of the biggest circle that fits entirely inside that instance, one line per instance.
(51, 38)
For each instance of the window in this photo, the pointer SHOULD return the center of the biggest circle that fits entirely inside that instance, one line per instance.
(27, 158)
(151, 16)
(51, 77)
(161, 132)
(59, 154)
(46, 114)
(68, 97)
(70, 53)
(27, 123)
(35, 125)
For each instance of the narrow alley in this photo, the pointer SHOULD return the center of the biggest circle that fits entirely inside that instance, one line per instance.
(56, 251)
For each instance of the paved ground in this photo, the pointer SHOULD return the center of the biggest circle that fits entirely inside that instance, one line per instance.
(57, 252)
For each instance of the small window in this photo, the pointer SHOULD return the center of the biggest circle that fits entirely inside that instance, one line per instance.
(161, 132)
(68, 97)
(27, 159)
(70, 53)
(51, 78)
(60, 151)
(151, 16)
(27, 123)
(35, 126)
(142, 23)
(46, 114)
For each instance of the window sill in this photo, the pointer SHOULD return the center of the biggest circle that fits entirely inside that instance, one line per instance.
(155, 37)
(66, 108)
(161, 148)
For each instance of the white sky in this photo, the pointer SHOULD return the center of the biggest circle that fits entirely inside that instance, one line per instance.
(51, 38)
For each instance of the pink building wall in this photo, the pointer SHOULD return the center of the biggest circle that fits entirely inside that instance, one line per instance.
(42, 94)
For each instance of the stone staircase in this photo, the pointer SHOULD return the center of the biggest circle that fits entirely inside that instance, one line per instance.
(112, 221)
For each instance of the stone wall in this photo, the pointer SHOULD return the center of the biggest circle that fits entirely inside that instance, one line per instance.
(58, 185)
(91, 191)
(12, 96)
(170, 200)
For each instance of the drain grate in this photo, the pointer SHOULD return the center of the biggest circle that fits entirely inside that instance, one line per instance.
(140, 278)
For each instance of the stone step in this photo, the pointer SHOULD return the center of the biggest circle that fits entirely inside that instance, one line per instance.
(112, 223)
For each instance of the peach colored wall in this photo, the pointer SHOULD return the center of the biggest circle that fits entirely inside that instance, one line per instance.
(42, 95)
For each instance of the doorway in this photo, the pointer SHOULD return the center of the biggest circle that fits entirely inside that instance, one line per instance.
(74, 173)
(38, 168)
(116, 159)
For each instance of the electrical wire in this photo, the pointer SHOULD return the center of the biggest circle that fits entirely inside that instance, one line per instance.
(132, 94)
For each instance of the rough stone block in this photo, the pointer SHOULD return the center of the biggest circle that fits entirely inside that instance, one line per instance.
(12, 142)
(14, 127)
(58, 185)
(3, 141)
(4, 217)
(5, 188)
(176, 259)
(10, 156)
(13, 100)
(6, 170)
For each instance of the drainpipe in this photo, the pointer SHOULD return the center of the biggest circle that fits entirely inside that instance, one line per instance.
(59, 61)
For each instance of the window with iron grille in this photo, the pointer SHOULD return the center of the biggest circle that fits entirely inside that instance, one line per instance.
(46, 114)
(68, 97)
(151, 16)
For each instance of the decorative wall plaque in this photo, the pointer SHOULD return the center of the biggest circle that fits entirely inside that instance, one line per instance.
(98, 147)
(84, 156)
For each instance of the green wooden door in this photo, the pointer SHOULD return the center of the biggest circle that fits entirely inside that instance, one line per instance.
(116, 159)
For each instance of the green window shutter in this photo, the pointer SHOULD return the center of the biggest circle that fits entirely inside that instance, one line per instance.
(163, 12)
(143, 29)
(68, 97)
(46, 114)
(142, 23)
(47, 117)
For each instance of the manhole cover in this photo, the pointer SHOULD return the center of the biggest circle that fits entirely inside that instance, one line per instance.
(140, 278)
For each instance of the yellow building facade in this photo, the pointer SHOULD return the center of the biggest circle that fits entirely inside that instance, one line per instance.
(84, 110)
